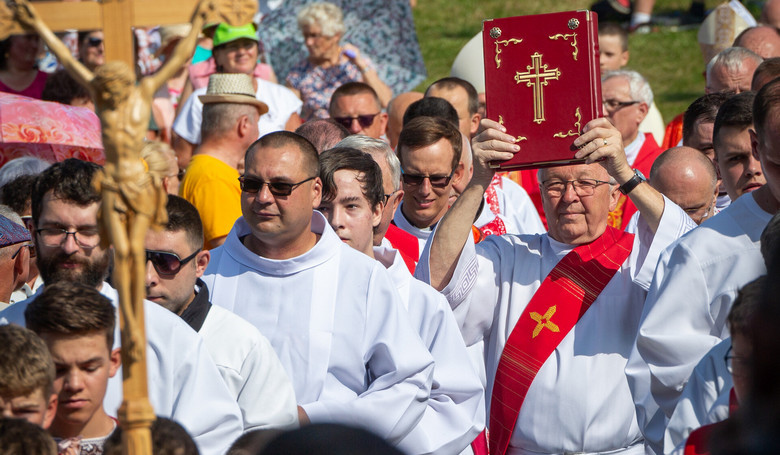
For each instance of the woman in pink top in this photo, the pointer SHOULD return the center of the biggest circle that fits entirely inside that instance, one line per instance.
(18, 70)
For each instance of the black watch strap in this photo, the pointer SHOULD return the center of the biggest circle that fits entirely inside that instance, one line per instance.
(633, 182)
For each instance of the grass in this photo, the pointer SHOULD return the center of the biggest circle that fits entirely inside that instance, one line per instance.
(670, 60)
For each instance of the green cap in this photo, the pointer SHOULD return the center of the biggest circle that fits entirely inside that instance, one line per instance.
(225, 33)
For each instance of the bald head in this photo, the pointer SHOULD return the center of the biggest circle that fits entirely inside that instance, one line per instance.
(764, 40)
(395, 112)
(688, 178)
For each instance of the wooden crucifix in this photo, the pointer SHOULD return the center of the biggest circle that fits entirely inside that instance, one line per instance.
(133, 199)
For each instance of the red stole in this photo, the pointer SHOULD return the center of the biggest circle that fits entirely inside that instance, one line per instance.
(561, 300)
(406, 244)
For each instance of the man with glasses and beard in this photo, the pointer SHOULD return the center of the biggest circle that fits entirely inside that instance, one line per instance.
(331, 313)
(356, 106)
(184, 383)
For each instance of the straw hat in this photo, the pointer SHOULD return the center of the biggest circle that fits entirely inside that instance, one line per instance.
(232, 88)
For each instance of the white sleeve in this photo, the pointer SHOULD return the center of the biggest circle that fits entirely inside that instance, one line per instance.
(399, 370)
(521, 209)
(187, 123)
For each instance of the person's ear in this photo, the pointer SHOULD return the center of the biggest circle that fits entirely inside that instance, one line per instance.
(51, 411)
(475, 124)
(614, 196)
(395, 199)
(115, 361)
(316, 193)
(201, 262)
(243, 125)
(376, 214)
(754, 143)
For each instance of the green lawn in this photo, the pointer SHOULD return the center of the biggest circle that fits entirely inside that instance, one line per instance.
(669, 59)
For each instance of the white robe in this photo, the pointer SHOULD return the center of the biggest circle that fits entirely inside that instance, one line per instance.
(694, 286)
(704, 400)
(422, 234)
(184, 383)
(456, 411)
(251, 370)
(579, 400)
(338, 326)
(515, 209)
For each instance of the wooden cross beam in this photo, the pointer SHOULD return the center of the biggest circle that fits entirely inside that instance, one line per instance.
(115, 17)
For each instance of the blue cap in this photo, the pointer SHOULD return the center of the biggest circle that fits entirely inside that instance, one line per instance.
(12, 233)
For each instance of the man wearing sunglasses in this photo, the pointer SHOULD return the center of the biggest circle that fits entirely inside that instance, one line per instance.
(356, 106)
(248, 363)
(184, 384)
(331, 313)
(91, 49)
(429, 149)
(14, 254)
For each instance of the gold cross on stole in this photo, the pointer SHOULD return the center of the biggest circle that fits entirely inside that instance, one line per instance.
(536, 79)
(544, 321)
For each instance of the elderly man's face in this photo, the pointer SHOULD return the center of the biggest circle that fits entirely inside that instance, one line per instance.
(279, 221)
(425, 202)
(622, 111)
(722, 79)
(572, 218)
(740, 170)
(361, 112)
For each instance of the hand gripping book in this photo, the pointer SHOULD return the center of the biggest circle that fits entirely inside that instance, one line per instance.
(543, 83)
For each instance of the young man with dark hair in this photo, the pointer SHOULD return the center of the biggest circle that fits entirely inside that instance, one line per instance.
(19, 436)
(77, 324)
(352, 201)
(68, 241)
(244, 357)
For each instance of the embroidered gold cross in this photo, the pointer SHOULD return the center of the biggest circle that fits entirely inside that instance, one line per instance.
(536, 79)
(544, 321)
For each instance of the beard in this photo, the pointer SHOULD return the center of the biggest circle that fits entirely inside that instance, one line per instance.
(92, 271)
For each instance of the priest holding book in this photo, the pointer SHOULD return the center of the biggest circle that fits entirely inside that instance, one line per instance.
(558, 311)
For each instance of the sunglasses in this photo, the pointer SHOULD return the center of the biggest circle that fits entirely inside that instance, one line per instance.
(168, 264)
(437, 181)
(253, 185)
(364, 120)
(94, 42)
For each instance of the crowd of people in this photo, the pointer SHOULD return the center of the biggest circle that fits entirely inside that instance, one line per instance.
(341, 269)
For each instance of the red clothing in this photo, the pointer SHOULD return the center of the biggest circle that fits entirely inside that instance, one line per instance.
(34, 90)
(698, 442)
(650, 150)
(527, 179)
(673, 133)
(406, 244)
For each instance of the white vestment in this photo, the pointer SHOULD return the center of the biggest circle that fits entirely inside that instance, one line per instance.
(422, 234)
(184, 384)
(281, 101)
(338, 326)
(456, 410)
(251, 370)
(694, 286)
(579, 401)
(704, 400)
(515, 209)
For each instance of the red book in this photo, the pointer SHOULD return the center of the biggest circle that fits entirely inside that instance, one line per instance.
(543, 83)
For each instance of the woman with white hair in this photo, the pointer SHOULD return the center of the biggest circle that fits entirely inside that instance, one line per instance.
(329, 64)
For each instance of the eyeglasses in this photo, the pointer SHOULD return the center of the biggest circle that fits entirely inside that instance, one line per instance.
(731, 360)
(388, 196)
(28, 245)
(253, 185)
(364, 120)
(583, 187)
(613, 105)
(85, 238)
(94, 42)
(168, 264)
(436, 181)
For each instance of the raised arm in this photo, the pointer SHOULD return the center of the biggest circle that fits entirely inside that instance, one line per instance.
(602, 143)
(185, 48)
(26, 14)
(491, 144)
(370, 75)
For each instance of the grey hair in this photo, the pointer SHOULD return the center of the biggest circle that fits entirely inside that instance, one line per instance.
(219, 118)
(638, 86)
(26, 165)
(732, 58)
(377, 149)
(328, 16)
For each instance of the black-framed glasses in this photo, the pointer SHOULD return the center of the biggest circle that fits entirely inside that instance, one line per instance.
(613, 105)
(583, 187)
(388, 196)
(168, 264)
(253, 185)
(436, 181)
(94, 42)
(24, 245)
(85, 238)
(364, 120)
(740, 362)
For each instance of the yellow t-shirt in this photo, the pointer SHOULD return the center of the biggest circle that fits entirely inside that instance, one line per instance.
(212, 187)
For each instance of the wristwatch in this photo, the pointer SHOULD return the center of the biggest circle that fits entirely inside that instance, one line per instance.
(631, 184)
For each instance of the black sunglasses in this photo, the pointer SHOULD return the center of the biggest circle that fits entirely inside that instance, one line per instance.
(94, 42)
(168, 263)
(253, 185)
(437, 181)
(364, 120)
